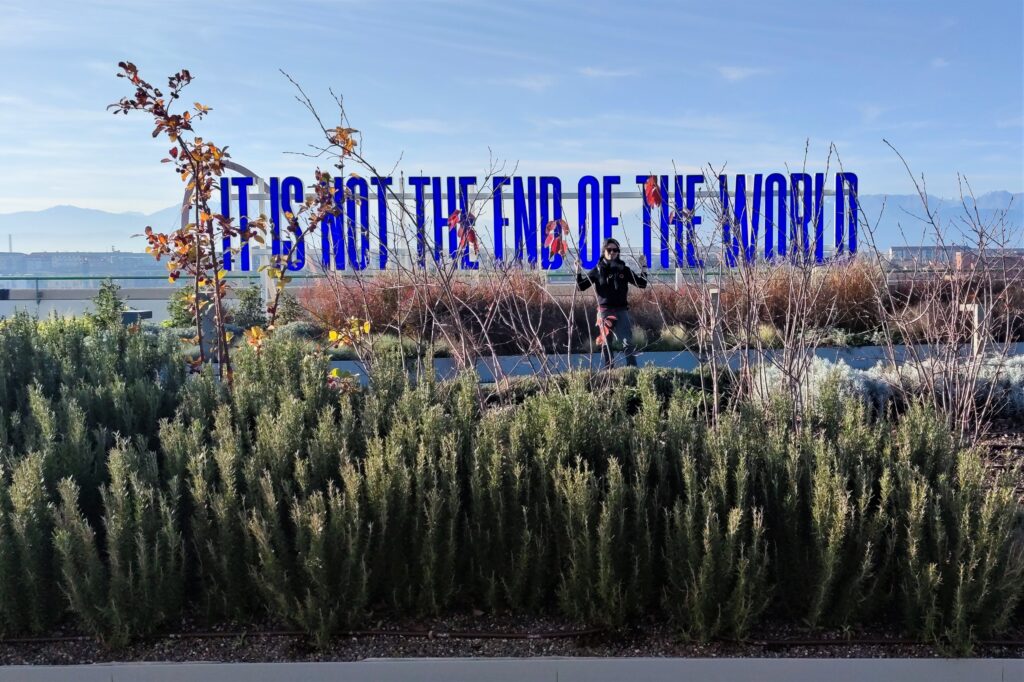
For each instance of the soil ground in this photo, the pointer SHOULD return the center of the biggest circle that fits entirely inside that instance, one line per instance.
(232, 644)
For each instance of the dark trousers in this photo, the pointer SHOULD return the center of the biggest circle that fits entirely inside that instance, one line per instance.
(621, 331)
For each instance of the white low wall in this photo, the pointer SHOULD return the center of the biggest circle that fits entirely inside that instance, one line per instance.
(45, 308)
(45, 302)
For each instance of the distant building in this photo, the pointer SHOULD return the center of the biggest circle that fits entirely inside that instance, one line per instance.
(1008, 262)
(47, 264)
(922, 255)
(12, 263)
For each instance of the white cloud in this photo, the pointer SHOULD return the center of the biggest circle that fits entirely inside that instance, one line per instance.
(939, 63)
(617, 123)
(597, 72)
(738, 73)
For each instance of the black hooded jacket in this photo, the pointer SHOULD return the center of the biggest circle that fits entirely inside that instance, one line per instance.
(611, 280)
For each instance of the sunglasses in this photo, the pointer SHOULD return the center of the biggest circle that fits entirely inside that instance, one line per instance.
(611, 250)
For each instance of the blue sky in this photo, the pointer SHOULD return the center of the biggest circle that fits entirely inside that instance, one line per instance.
(564, 88)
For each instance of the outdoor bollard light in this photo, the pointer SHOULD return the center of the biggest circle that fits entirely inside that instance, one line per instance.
(978, 314)
(715, 297)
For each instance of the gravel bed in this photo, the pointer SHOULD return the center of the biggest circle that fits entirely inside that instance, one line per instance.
(651, 640)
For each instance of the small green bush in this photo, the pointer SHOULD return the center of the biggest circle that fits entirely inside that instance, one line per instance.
(769, 335)
(716, 554)
(107, 305)
(139, 585)
(603, 498)
(290, 310)
(249, 311)
(300, 330)
(29, 602)
(179, 308)
(672, 338)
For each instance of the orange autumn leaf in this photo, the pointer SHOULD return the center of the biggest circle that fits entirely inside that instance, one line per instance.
(604, 328)
(651, 192)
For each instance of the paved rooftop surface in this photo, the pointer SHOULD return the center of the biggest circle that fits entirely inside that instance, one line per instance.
(546, 669)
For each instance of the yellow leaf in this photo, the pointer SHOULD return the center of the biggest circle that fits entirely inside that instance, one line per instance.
(255, 336)
(366, 327)
(333, 336)
(335, 373)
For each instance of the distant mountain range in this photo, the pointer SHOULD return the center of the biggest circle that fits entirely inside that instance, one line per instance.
(70, 228)
(898, 219)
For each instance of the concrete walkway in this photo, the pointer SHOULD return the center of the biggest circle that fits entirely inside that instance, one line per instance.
(542, 669)
(862, 357)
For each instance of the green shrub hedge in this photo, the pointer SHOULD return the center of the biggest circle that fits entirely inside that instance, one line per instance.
(130, 494)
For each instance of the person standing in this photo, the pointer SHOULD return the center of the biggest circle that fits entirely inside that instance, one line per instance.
(611, 279)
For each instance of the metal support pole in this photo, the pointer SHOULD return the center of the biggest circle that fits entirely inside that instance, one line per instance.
(207, 320)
